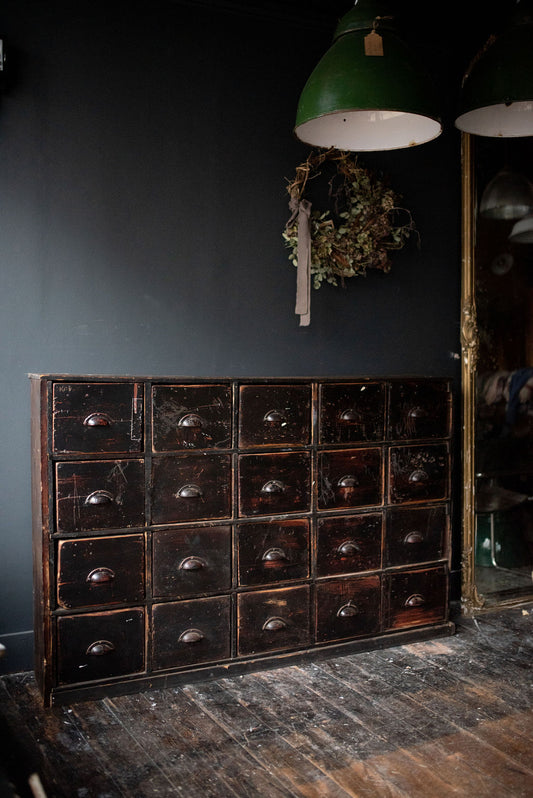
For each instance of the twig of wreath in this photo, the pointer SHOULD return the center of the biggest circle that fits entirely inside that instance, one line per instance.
(364, 225)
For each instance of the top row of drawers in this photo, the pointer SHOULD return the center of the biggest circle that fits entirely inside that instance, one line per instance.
(106, 418)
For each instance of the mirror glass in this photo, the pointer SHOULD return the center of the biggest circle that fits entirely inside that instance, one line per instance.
(502, 263)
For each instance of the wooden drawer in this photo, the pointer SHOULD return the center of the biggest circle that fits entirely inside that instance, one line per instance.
(97, 418)
(191, 562)
(347, 544)
(95, 571)
(415, 535)
(350, 478)
(272, 620)
(99, 494)
(274, 415)
(352, 412)
(191, 487)
(419, 473)
(274, 551)
(191, 417)
(419, 410)
(191, 632)
(348, 608)
(415, 597)
(274, 483)
(100, 645)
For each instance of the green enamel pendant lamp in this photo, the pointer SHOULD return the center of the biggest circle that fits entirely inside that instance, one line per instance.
(370, 91)
(497, 92)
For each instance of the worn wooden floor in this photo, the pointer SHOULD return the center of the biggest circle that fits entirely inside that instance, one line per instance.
(449, 717)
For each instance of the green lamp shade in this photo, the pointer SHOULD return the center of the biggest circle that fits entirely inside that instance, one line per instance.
(358, 102)
(497, 93)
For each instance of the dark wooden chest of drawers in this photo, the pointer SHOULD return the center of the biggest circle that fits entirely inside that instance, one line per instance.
(192, 528)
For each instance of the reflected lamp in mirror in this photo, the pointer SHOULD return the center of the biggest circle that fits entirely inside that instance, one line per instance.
(370, 91)
(508, 195)
(522, 232)
(497, 91)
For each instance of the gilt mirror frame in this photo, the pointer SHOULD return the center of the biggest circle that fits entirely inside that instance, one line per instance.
(472, 336)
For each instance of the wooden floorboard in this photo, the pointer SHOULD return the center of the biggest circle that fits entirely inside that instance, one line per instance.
(452, 716)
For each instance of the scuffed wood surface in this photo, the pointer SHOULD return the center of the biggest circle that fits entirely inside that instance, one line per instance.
(439, 718)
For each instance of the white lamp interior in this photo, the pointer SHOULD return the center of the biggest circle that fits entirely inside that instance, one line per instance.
(508, 121)
(358, 131)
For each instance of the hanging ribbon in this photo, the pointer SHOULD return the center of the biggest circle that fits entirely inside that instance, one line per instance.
(302, 209)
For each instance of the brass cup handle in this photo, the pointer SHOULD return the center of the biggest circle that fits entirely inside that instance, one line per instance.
(348, 481)
(99, 497)
(413, 538)
(191, 421)
(273, 486)
(275, 555)
(274, 624)
(191, 636)
(417, 412)
(348, 610)
(275, 417)
(416, 600)
(189, 492)
(192, 564)
(98, 420)
(100, 576)
(100, 648)
(418, 477)
(350, 414)
(348, 549)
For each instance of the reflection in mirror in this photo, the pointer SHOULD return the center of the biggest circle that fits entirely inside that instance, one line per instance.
(502, 284)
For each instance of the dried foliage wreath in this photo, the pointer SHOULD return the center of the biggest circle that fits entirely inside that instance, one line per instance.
(365, 225)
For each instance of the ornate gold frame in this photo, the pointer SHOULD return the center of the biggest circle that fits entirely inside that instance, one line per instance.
(470, 599)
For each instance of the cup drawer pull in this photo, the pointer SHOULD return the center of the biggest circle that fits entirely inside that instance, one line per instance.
(348, 549)
(192, 564)
(418, 477)
(100, 648)
(274, 555)
(274, 624)
(414, 538)
(191, 636)
(275, 417)
(273, 486)
(101, 576)
(350, 415)
(417, 412)
(416, 600)
(98, 420)
(348, 610)
(192, 421)
(348, 481)
(189, 492)
(99, 497)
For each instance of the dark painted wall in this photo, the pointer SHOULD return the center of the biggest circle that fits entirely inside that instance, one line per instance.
(144, 154)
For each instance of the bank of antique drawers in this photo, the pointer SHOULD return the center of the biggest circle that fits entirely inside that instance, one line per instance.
(194, 523)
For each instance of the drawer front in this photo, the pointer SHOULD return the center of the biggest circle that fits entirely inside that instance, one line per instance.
(95, 571)
(191, 417)
(274, 551)
(348, 608)
(272, 620)
(352, 413)
(100, 645)
(419, 410)
(415, 598)
(419, 473)
(274, 415)
(191, 632)
(415, 535)
(99, 494)
(349, 544)
(350, 478)
(274, 483)
(191, 487)
(97, 418)
(191, 562)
